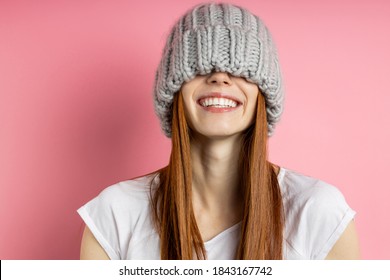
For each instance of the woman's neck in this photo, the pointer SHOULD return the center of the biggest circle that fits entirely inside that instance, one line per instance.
(215, 171)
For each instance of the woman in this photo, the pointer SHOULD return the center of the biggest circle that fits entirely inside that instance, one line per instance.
(218, 94)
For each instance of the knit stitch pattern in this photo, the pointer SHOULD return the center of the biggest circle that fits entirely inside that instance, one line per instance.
(222, 38)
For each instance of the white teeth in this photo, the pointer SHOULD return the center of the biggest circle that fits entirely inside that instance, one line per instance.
(218, 102)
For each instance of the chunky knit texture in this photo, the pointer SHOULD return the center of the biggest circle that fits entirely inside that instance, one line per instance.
(223, 38)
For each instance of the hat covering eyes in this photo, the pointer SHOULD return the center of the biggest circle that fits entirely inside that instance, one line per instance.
(222, 38)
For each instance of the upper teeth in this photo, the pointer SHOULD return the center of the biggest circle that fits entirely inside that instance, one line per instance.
(218, 102)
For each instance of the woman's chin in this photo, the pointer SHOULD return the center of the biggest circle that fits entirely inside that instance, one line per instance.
(216, 134)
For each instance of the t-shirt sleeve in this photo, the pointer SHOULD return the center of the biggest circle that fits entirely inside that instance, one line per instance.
(326, 214)
(99, 215)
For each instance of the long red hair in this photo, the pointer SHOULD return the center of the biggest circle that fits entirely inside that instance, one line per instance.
(262, 221)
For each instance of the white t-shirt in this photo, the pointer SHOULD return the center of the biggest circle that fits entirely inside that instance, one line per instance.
(316, 214)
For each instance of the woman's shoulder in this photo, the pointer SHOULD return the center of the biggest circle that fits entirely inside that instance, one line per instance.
(138, 187)
(299, 187)
(316, 214)
(128, 193)
(135, 190)
(119, 212)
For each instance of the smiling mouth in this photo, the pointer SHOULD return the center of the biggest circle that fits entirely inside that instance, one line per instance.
(217, 102)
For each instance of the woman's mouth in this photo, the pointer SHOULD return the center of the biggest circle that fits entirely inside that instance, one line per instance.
(216, 103)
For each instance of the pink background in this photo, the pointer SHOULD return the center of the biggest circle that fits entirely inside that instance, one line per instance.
(76, 111)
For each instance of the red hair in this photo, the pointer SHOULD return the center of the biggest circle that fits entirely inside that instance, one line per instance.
(262, 221)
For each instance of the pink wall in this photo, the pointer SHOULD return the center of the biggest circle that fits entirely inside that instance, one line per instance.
(76, 111)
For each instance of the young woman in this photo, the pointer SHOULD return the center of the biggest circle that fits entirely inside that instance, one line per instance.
(219, 94)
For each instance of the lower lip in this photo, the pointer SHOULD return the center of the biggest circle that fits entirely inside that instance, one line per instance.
(212, 109)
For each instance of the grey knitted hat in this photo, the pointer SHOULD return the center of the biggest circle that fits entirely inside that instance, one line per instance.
(223, 38)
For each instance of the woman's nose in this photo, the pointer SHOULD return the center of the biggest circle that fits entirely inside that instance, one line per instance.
(219, 78)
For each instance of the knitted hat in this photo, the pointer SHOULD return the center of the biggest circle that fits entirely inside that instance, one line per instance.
(223, 38)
